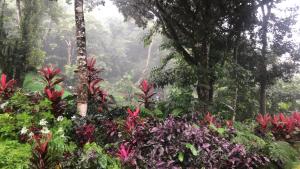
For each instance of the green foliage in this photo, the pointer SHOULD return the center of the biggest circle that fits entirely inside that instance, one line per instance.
(283, 152)
(191, 147)
(14, 155)
(123, 90)
(93, 156)
(59, 145)
(179, 101)
(245, 136)
(280, 153)
(32, 83)
(284, 96)
(7, 127)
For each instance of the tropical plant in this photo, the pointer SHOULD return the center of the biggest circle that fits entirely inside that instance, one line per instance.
(96, 94)
(41, 159)
(14, 155)
(49, 76)
(282, 126)
(94, 156)
(6, 88)
(147, 93)
(176, 143)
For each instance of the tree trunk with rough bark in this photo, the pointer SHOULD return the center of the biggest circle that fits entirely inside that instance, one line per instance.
(203, 86)
(18, 4)
(263, 65)
(236, 85)
(82, 86)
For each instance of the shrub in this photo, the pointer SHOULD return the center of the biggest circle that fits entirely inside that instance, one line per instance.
(84, 133)
(283, 127)
(14, 155)
(176, 143)
(93, 156)
(282, 154)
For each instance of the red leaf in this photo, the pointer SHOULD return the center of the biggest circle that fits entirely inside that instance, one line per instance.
(3, 81)
(263, 120)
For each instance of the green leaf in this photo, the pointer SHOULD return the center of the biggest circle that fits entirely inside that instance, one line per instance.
(192, 148)
(177, 112)
(180, 156)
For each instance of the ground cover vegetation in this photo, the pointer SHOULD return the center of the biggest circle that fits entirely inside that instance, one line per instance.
(223, 92)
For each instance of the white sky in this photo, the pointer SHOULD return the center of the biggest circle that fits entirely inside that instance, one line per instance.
(110, 11)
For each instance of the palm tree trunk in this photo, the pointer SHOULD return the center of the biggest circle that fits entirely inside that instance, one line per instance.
(82, 87)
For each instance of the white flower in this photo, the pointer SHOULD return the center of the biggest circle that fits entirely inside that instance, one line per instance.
(43, 122)
(60, 130)
(45, 130)
(73, 117)
(30, 134)
(24, 130)
(2, 106)
(60, 118)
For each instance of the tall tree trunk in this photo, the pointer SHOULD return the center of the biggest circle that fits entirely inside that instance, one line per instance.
(18, 4)
(211, 90)
(203, 86)
(262, 98)
(263, 65)
(235, 55)
(147, 63)
(69, 50)
(82, 87)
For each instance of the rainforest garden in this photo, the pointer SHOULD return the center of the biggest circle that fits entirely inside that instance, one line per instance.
(149, 84)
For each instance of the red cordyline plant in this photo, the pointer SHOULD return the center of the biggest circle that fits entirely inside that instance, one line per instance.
(93, 72)
(263, 120)
(95, 92)
(132, 120)
(147, 93)
(49, 76)
(6, 87)
(229, 123)
(40, 158)
(282, 126)
(85, 134)
(209, 119)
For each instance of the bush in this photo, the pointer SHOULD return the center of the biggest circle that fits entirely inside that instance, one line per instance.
(93, 156)
(177, 143)
(14, 155)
